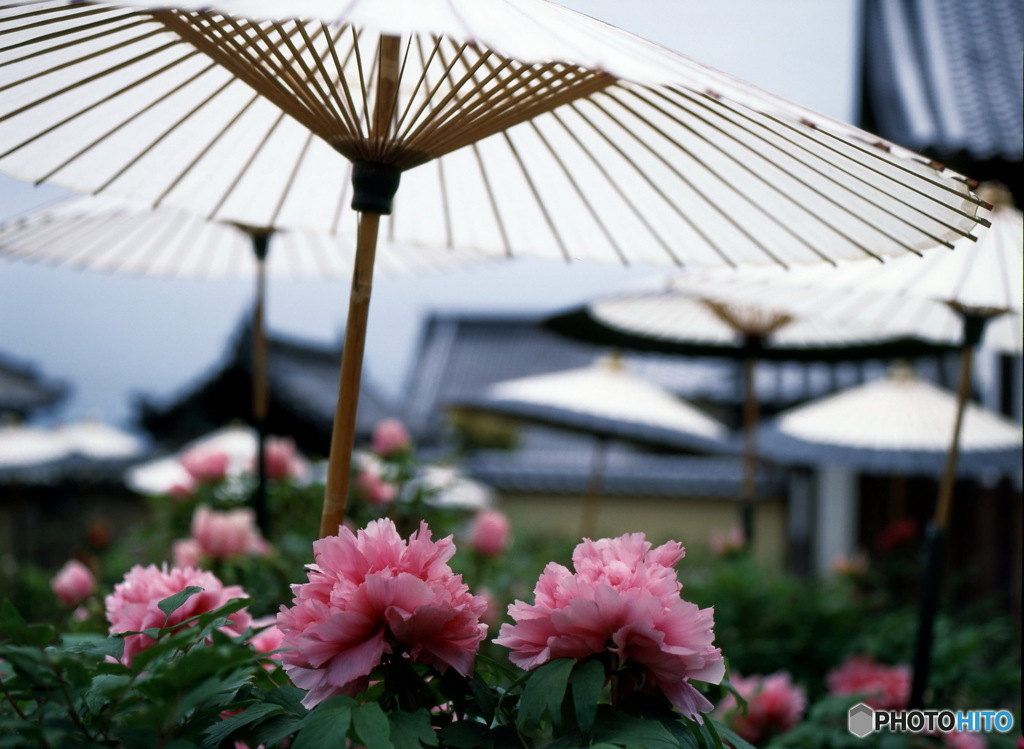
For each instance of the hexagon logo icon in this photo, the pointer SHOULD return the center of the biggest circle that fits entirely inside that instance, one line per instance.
(861, 720)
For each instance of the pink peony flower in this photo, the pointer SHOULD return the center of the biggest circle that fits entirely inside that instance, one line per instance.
(882, 687)
(269, 638)
(728, 543)
(227, 534)
(182, 489)
(774, 705)
(186, 552)
(374, 487)
(390, 437)
(623, 598)
(489, 533)
(73, 583)
(283, 462)
(491, 612)
(133, 606)
(371, 594)
(205, 465)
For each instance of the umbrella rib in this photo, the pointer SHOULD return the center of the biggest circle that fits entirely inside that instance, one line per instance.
(89, 107)
(205, 150)
(253, 155)
(281, 74)
(874, 156)
(418, 129)
(536, 195)
(342, 110)
(57, 15)
(420, 81)
(586, 201)
(124, 123)
(695, 227)
(802, 136)
(362, 85)
(638, 214)
(252, 74)
(135, 21)
(763, 180)
(159, 139)
(290, 183)
(480, 110)
(351, 109)
(88, 79)
(714, 206)
(512, 110)
(312, 85)
(820, 172)
(155, 241)
(493, 201)
(483, 109)
(45, 235)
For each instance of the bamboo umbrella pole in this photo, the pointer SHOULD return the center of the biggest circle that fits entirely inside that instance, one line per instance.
(260, 394)
(374, 186)
(974, 328)
(751, 416)
(595, 486)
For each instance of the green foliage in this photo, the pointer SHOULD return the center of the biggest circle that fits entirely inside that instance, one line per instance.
(62, 682)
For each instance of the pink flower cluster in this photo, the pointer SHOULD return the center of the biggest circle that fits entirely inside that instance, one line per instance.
(882, 687)
(230, 533)
(489, 533)
(73, 583)
(774, 705)
(624, 597)
(728, 543)
(374, 487)
(206, 465)
(372, 594)
(134, 604)
(282, 459)
(390, 437)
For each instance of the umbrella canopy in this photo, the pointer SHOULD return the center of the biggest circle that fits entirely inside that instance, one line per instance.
(46, 454)
(28, 452)
(735, 315)
(606, 400)
(898, 424)
(107, 233)
(532, 127)
(549, 133)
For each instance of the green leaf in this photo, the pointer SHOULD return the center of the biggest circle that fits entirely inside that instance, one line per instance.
(544, 692)
(371, 726)
(252, 714)
(725, 733)
(411, 730)
(629, 730)
(465, 735)
(587, 682)
(173, 603)
(326, 725)
(14, 627)
(274, 730)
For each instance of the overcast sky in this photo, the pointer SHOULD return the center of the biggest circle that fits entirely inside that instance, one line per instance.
(112, 336)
